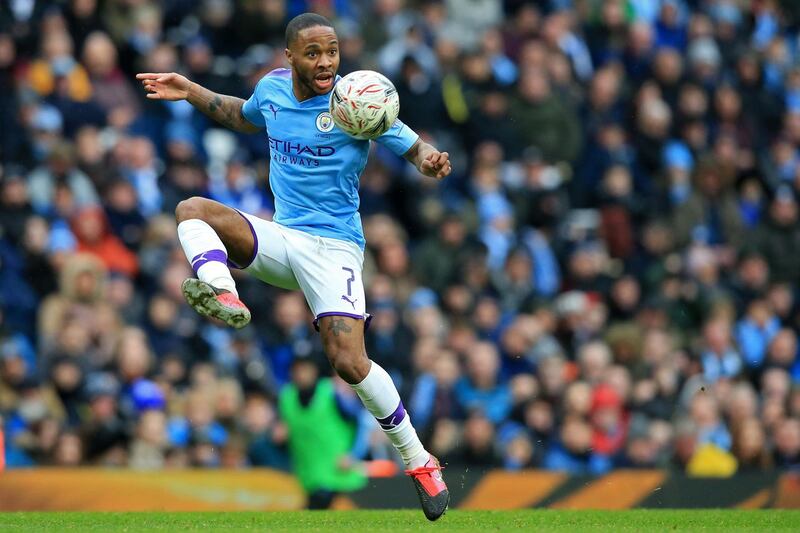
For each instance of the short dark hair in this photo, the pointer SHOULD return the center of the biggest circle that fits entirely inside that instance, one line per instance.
(303, 21)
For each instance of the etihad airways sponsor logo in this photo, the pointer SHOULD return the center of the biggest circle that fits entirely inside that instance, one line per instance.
(293, 148)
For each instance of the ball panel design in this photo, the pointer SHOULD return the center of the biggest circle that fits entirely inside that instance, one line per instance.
(364, 104)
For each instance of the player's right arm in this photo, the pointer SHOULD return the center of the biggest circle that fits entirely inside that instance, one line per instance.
(227, 110)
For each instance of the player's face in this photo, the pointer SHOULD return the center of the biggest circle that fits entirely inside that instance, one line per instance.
(314, 57)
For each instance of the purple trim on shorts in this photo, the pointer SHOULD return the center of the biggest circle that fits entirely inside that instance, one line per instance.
(255, 244)
(367, 319)
(394, 419)
(206, 257)
(280, 73)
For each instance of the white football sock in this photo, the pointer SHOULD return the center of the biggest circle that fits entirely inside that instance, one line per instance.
(380, 397)
(206, 253)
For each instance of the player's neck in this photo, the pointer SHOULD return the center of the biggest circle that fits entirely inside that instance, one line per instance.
(301, 92)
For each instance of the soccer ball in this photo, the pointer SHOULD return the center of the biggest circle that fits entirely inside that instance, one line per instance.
(364, 104)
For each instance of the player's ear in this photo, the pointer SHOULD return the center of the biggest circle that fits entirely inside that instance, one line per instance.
(288, 54)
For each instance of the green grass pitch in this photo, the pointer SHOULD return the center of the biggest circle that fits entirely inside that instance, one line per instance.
(356, 521)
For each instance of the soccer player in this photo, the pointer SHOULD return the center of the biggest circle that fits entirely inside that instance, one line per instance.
(315, 242)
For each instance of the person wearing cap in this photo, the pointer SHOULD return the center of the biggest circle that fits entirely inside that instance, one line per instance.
(103, 432)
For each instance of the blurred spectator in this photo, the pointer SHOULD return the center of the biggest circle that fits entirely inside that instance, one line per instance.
(433, 396)
(56, 66)
(705, 415)
(91, 230)
(104, 434)
(322, 435)
(480, 389)
(59, 171)
(787, 443)
(777, 233)
(80, 298)
(543, 121)
(111, 90)
(476, 447)
(440, 269)
(573, 453)
(147, 449)
(749, 446)
(720, 360)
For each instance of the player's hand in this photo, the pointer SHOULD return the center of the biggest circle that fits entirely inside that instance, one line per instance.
(436, 165)
(165, 86)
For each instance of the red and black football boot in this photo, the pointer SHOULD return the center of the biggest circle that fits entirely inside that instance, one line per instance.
(431, 488)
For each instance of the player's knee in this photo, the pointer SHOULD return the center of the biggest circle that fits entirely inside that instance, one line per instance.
(351, 367)
(190, 208)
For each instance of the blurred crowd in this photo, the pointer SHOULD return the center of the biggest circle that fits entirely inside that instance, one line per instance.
(608, 279)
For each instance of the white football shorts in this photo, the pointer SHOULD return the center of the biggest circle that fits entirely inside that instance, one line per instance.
(328, 271)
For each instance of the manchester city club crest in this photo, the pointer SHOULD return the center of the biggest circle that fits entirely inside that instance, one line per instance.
(324, 122)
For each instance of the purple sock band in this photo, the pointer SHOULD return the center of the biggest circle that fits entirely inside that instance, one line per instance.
(394, 419)
(206, 257)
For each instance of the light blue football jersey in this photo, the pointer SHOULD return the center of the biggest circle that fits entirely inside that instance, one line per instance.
(314, 166)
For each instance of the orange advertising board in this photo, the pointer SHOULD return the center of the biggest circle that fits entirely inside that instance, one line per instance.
(55, 489)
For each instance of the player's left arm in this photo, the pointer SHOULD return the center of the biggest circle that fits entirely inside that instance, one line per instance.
(428, 160)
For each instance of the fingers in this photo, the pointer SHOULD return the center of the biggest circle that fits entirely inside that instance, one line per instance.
(445, 170)
(436, 165)
(152, 90)
(150, 80)
(434, 158)
(438, 159)
(439, 164)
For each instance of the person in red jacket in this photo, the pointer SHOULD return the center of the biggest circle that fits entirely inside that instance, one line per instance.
(94, 236)
(609, 421)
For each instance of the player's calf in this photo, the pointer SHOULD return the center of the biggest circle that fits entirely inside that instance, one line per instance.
(228, 225)
(342, 340)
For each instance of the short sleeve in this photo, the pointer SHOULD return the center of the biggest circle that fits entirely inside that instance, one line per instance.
(251, 109)
(399, 138)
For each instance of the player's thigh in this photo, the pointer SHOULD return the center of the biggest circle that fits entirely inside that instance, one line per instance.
(329, 273)
(232, 228)
(270, 260)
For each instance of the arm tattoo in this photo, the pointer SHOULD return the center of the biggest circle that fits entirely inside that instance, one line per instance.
(222, 110)
(337, 326)
(227, 110)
